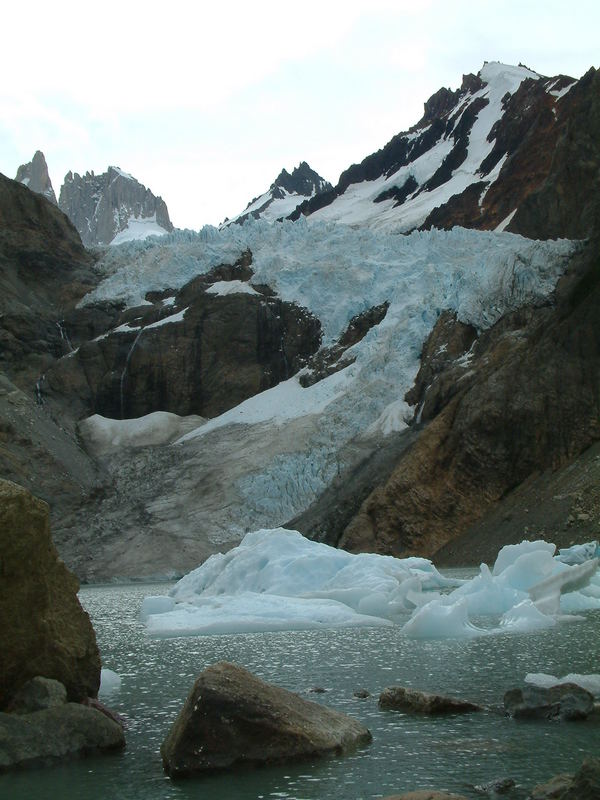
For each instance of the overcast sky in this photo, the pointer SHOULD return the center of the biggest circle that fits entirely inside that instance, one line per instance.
(204, 103)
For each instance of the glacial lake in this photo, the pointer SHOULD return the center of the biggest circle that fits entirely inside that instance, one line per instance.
(456, 754)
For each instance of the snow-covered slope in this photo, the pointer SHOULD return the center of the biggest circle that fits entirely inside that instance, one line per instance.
(285, 193)
(459, 144)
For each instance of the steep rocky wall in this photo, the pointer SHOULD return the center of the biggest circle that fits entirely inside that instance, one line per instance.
(527, 399)
(44, 629)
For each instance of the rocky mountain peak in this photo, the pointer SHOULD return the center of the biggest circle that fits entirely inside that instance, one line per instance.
(112, 207)
(286, 192)
(303, 180)
(35, 176)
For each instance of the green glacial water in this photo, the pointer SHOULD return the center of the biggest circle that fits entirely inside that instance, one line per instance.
(455, 753)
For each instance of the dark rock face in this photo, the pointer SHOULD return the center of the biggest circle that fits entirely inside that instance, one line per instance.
(567, 202)
(524, 400)
(400, 698)
(330, 360)
(218, 351)
(44, 629)
(35, 176)
(55, 734)
(232, 718)
(566, 701)
(100, 206)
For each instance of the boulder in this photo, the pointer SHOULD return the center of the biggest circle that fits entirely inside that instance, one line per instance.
(566, 701)
(37, 694)
(553, 789)
(45, 631)
(584, 785)
(400, 698)
(232, 718)
(64, 731)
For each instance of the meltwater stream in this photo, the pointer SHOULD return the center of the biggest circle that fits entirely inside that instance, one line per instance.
(407, 752)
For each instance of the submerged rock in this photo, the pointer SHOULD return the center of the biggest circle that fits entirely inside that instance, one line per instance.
(566, 701)
(232, 718)
(425, 794)
(63, 731)
(45, 631)
(400, 698)
(584, 785)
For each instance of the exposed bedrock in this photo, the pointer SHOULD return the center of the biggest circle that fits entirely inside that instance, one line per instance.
(524, 398)
(45, 631)
(201, 355)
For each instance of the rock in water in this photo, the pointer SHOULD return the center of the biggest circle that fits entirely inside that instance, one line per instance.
(566, 701)
(400, 698)
(44, 629)
(232, 718)
(426, 794)
(55, 733)
(584, 785)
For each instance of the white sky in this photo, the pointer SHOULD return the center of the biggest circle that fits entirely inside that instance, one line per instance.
(206, 104)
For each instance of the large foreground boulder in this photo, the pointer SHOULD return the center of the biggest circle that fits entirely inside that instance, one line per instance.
(565, 701)
(401, 698)
(44, 629)
(232, 718)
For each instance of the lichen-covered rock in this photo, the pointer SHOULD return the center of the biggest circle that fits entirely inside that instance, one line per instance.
(232, 718)
(36, 739)
(44, 629)
(566, 701)
(400, 698)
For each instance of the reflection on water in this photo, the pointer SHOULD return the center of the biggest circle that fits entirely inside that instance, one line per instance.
(407, 752)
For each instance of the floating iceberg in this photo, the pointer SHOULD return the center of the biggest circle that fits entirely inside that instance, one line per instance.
(279, 580)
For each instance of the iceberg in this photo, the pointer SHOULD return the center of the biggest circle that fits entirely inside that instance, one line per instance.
(276, 580)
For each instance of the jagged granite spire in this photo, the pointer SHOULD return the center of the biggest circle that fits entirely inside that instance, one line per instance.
(35, 176)
(112, 207)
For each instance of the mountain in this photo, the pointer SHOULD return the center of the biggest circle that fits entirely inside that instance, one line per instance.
(112, 208)
(285, 193)
(431, 392)
(479, 157)
(35, 176)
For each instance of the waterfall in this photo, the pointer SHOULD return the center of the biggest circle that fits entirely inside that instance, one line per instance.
(285, 360)
(63, 334)
(124, 372)
(39, 398)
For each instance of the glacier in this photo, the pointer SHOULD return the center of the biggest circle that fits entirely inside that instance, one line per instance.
(278, 580)
(336, 272)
